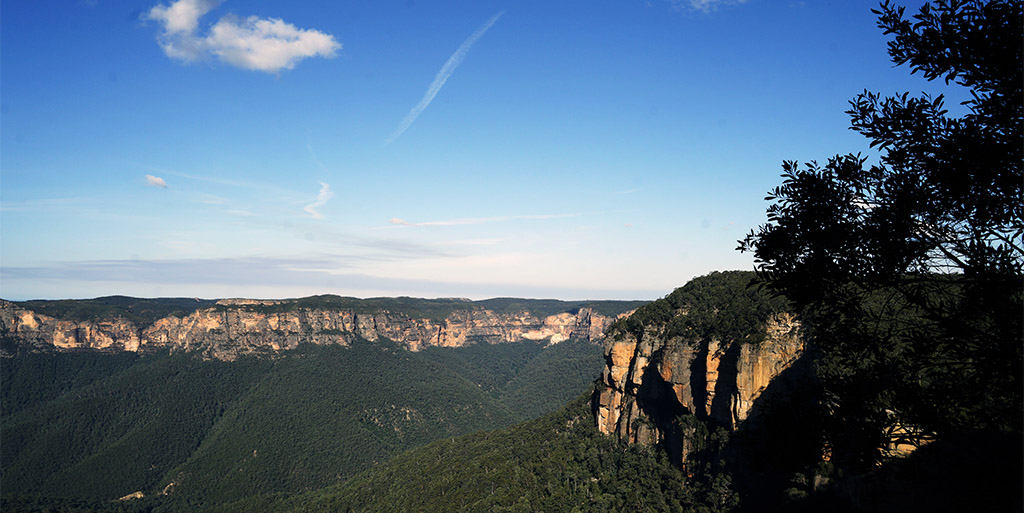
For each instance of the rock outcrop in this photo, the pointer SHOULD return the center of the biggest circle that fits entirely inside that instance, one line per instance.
(237, 327)
(706, 378)
(656, 375)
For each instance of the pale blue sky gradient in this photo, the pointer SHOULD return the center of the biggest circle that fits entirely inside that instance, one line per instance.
(576, 150)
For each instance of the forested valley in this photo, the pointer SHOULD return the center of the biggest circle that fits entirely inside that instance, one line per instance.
(871, 361)
(81, 429)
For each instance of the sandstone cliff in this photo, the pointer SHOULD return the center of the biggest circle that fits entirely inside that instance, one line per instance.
(235, 327)
(670, 364)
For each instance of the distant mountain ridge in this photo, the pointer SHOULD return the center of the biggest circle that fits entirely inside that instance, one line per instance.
(228, 328)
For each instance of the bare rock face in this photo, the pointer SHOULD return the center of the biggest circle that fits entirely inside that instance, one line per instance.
(236, 327)
(652, 379)
(42, 331)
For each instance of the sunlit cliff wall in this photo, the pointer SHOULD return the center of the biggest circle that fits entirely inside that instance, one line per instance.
(650, 380)
(239, 327)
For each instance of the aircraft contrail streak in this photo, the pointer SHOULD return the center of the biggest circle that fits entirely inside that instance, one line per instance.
(442, 77)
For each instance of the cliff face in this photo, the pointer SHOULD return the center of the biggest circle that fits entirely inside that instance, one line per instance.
(655, 375)
(238, 327)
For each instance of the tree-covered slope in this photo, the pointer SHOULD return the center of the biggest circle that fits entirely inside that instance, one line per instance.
(35, 378)
(489, 366)
(555, 463)
(87, 428)
(325, 413)
(523, 376)
(121, 433)
(573, 364)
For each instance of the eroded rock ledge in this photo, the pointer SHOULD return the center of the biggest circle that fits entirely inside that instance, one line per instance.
(238, 327)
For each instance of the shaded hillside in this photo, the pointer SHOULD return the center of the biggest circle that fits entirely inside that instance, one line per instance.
(121, 433)
(207, 431)
(36, 378)
(520, 376)
(555, 463)
(529, 393)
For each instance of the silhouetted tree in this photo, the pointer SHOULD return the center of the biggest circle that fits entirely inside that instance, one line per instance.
(908, 272)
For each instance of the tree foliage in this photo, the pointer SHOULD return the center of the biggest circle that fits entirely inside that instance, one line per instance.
(909, 271)
(141, 311)
(83, 429)
(720, 305)
(558, 462)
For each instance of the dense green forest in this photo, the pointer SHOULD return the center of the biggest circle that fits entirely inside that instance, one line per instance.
(724, 305)
(555, 463)
(86, 428)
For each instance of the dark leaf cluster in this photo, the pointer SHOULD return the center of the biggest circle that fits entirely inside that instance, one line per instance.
(727, 306)
(909, 273)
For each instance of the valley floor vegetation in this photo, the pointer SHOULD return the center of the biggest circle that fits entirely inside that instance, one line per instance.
(83, 429)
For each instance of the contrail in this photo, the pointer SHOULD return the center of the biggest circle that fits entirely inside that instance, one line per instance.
(442, 77)
(309, 146)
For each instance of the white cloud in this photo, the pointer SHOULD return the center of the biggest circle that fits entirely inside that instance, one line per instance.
(267, 44)
(182, 17)
(321, 199)
(442, 77)
(259, 44)
(155, 181)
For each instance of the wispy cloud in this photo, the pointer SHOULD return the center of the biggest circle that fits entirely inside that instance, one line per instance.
(312, 154)
(265, 277)
(210, 199)
(491, 241)
(321, 199)
(222, 181)
(260, 44)
(442, 77)
(704, 6)
(479, 220)
(155, 181)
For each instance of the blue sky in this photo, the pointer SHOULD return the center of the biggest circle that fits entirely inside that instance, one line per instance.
(575, 150)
